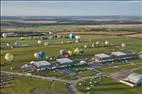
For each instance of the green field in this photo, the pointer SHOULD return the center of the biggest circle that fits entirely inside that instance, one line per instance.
(106, 86)
(23, 55)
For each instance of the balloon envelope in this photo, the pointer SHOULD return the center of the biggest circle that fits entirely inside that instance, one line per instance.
(70, 53)
(9, 57)
(76, 51)
(36, 55)
(39, 42)
(62, 51)
(41, 54)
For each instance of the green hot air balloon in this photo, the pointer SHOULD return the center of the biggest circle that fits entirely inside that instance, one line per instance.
(9, 57)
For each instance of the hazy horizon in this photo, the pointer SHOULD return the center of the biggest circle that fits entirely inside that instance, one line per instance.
(71, 8)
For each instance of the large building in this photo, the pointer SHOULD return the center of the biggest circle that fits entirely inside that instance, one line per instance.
(133, 79)
(41, 65)
(102, 57)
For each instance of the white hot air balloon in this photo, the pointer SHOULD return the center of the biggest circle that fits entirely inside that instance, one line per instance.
(123, 44)
(97, 43)
(76, 50)
(85, 46)
(4, 35)
(77, 37)
(9, 57)
(106, 42)
(8, 44)
(45, 43)
(39, 42)
(36, 55)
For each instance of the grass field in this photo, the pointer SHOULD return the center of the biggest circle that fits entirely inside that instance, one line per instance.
(24, 55)
(106, 86)
(25, 85)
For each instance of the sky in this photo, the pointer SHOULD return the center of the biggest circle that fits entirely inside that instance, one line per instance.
(71, 8)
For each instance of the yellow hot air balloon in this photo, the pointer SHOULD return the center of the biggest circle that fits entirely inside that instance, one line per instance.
(70, 53)
(39, 42)
(106, 42)
(45, 43)
(36, 55)
(76, 51)
(9, 56)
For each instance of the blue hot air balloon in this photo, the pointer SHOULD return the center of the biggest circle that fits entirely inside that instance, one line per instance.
(41, 54)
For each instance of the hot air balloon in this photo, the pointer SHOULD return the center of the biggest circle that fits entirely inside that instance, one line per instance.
(17, 44)
(63, 51)
(45, 43)
(76, 51)
(39, 42)
(8, 44)
(9, 57)
(85, 46)
(77, 37)
(123, 44)
(22, 38)
(93, 45)
(69, 52)
(36, 55)
(81, 50)
(4, 35)
(106, 42)
(41, 54)
(97, 43)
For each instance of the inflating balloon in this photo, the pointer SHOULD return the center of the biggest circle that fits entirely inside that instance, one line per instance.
(9, 57)
(8, 44)
(22, 38)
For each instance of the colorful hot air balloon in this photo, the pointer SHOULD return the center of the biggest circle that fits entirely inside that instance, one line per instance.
(76, 50)
(62, 51)
(9, 57)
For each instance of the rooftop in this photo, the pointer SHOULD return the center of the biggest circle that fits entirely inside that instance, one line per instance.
(41, 63)
(64, 60)
(118, 53)
(102, 55)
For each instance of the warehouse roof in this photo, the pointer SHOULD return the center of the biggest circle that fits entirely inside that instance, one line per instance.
(135, 78)
(102, 55)
(118, 53)
(64, 60)
(41, 63)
